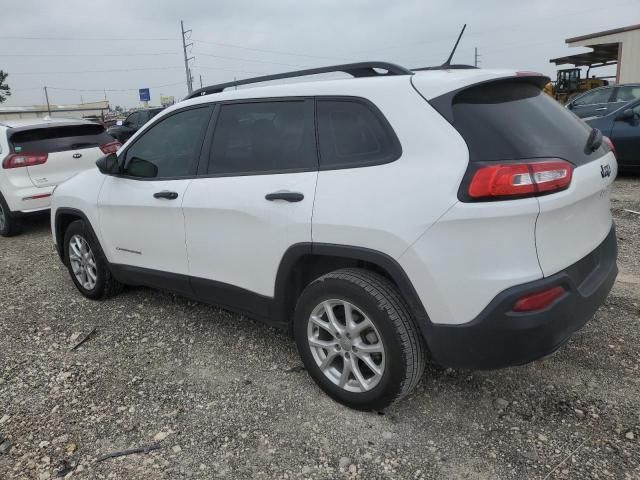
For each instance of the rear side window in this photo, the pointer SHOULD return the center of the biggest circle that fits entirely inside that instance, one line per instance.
(171, 147)
(628, 93)
(516, 120)
(59, 139)
(353, 134)
(263, 137)
(594, 98)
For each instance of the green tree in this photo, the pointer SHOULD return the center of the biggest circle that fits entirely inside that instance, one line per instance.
(5, 91)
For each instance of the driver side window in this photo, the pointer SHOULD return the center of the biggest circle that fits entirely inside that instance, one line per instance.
(170, 148)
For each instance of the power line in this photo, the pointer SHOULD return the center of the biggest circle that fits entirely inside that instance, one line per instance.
(264, 50)
(87, 54)
(112, 89)
(12, 37)
(95, 71)
(250, 60)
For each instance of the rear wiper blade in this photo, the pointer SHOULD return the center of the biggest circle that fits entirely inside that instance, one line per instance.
(594, 142)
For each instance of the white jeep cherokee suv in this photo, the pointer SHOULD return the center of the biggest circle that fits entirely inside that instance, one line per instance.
(38, 154)
(461, 215)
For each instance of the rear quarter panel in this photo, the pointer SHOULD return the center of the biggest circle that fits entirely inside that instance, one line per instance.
(387, 207)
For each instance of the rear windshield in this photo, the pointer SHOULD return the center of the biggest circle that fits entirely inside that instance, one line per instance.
(514, 120)
(59, 139)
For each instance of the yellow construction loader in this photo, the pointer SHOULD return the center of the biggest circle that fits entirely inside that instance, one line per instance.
(568, 84)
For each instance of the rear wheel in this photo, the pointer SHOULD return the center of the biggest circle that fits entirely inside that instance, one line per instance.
(357, 339)
(9, 225)
(86, 263)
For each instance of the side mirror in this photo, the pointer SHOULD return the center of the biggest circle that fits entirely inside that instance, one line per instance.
(627, 115)
(108, 165)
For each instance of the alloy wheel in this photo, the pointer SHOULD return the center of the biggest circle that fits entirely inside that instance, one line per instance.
(83, 262)
(346, 345)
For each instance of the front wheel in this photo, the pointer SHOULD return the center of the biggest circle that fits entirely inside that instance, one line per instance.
(358, 340)
(86, 264)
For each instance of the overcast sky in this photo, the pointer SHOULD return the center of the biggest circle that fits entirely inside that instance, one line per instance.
(79, 47)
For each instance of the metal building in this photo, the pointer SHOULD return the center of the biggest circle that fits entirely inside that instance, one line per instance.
(619, 46)
(81, 110)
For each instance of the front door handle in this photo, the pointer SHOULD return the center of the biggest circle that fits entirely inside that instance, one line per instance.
(601, 109)
(166, 194)
(285, 195)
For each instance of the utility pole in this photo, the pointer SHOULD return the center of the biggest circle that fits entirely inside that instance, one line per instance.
(46, 94)
(185, 45)
(200, 81)
(476, 57)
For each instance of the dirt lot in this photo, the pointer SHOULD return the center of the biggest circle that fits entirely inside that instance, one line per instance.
(223, 397)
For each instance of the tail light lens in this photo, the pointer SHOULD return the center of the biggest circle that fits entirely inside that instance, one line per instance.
(517, 180)
(19, 160)
(111, 147)
(539, 300)
(607, 141)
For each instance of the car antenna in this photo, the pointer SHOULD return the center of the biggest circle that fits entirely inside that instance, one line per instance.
(447, 65)
(455, 47)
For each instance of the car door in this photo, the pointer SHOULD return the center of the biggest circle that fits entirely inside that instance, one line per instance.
(626, 138)
(253, 199)
(592, 104)
(141, 219)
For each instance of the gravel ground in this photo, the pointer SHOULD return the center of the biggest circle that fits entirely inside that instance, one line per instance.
(225, 397)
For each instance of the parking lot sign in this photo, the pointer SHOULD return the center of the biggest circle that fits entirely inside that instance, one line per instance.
(145, 95)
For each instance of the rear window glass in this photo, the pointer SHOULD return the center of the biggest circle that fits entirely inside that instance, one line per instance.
(59, 139)
(352, 135)
(516, 120)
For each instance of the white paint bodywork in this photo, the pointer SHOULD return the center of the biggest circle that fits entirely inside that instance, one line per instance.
(17, 185)
(458, 256)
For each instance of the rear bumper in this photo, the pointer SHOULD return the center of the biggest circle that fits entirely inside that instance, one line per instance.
(499, 337)
(29, 200)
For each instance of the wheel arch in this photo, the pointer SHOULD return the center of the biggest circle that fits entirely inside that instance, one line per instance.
(303, 263)
(64, 217)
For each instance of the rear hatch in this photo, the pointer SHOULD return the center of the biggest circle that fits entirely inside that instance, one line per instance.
(511, 122)
(69, 149)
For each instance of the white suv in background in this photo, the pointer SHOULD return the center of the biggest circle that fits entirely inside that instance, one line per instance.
(38, 154)
(456, 214)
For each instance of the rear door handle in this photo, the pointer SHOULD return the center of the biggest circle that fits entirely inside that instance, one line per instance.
(285, 195)
(166, 194)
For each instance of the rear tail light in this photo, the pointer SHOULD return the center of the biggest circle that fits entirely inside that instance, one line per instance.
(607, 141)
(18, 160)
(111, 147)
(517, 180)
(539, 300)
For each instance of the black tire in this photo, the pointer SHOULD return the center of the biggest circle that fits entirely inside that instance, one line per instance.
(105, 285)
(380, 300)
(11, 225)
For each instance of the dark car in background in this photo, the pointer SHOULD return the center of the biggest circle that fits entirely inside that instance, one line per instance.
(132, 124)
(622, 126)
(604, 100)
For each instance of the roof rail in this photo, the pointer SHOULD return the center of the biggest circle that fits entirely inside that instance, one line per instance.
(361, 69)
(455, 66)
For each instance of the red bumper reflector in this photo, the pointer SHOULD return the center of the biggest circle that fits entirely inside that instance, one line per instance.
(36, 197)
(539, 300)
